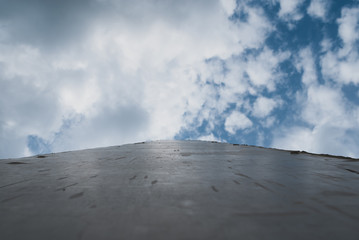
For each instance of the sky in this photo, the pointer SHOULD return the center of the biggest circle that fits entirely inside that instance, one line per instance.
(93, 73)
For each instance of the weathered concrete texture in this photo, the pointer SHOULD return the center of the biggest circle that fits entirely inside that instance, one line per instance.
(179, 190)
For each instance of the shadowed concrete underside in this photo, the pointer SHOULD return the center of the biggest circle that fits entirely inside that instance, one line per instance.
(179, 190)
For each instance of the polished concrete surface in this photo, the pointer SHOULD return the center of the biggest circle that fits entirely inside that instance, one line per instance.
(179, 190)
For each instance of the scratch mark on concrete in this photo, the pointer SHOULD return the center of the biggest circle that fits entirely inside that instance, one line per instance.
(262, 186)
(242, 175)
(351, 170)
(77, 195)
(7, 185)
(214, 188)
(16, 163)
(236, 182)
(64, 188)
(9, 199)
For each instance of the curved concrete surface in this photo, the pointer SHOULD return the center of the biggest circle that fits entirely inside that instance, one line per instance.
(179, 190)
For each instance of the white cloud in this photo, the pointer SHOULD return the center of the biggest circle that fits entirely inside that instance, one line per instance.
(263, 106)
(228, 6)
(254, 30)
(120, 73)
(305, 63)
(126, 72)
(262, 69)
(331, 120)
(318, 9)
(289, 10)
(343, 71)
(321, 139)
(341, 65)
(349, 25)
(210, 137)
(237, 121)
(268, 122)
(325, 106)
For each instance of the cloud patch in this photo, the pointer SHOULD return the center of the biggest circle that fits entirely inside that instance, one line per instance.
(318, 9)
(98, 73)
(237, 121)
(290, 10)
(263, 106)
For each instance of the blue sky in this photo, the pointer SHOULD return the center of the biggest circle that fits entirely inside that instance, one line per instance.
(275, 73)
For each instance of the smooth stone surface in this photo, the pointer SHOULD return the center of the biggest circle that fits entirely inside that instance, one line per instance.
(179, 190)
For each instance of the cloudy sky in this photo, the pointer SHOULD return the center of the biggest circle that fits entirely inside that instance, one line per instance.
(91, 73)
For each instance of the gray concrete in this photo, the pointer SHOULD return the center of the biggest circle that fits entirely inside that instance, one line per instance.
(179, 190)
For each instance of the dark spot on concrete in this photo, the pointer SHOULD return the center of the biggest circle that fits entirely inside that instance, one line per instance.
(64, 188)
(242, 175)
(93, 176)
(132, 178)
(229, 160)
(44, 170)
(16, 163)
(262, 186)
(145, 177)
(214, 188)
(77, 195)
(185, 154)
(119, 158)
(62, 178)
(154, 182)
(41, 156)
(276, 183)
(230, 167)
(351, 170)
(93, 206)
(140, 143)
(236, 182)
